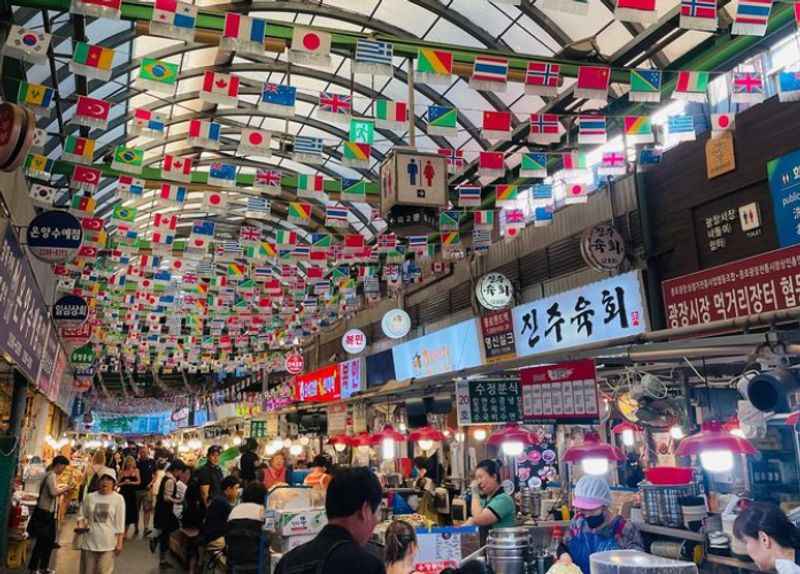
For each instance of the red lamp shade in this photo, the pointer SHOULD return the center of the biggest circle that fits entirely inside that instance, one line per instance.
(363, 439)
(713, 437)
(625, 425)
(427, 433)
(389, 432)
(344, 439)
(592, 448)
(511, 433)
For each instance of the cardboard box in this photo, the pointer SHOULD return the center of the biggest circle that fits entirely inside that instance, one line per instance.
(296, 522)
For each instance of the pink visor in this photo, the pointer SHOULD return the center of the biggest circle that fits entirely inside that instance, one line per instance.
(588, 502)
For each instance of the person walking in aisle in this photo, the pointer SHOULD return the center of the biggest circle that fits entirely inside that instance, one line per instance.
(164, 519)
(129, 481)
(210, 475)
(144, 498)
(101, 526)
(249, 460)
(42, 525)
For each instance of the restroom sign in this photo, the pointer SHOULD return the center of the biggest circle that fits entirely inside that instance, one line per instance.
(416, 179)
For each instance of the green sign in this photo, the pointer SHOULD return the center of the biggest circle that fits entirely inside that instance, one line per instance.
(362, 131)
(258, 429)
(82, 356)
(480, 402)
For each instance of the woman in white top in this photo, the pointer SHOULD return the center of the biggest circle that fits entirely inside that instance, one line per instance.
(103, 517)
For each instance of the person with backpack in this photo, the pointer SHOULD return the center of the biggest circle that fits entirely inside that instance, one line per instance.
(351, 505)
(165, 519)
(42, 524)
(243, 531)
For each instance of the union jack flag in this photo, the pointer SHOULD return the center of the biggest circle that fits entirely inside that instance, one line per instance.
(268, 178)
(455, 158)
(250, 233)
(335, 103)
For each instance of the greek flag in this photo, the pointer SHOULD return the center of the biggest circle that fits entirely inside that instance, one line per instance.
(309, 145)
(374, 52)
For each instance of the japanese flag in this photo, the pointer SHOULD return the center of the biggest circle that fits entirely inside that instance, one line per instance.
(576, 193)
(310, 47)
(722, 122)
(214, 202)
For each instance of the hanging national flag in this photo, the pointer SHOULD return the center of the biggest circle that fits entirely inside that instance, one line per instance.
(123, 216)
(177, 168)
(255, 142)
(504, 194)
(310, 186)
(542, 79)
(497, 125)
(356, 154)
(283, 237)
(36, 97)
(307, 149)
(699, 15)
(85, 178)
(645, 86)
(78, 150)
(455, 159)
(612, 163)
(158, 76)
(91, 112)
(542, 193)
(128, 159)
(574, 163)
(215, 202)
(638, 129)
(310, 47)
(483, 219)
(43, 195)
(222, 174)
(299, 213)
(722, 122)
(788, 86)
(373, 57)
(335, 107)
(592, 129)
(575, 193)
(643, 11)
(278, 99)
(481, 240)
(173, 19)
(681, 128)
(450, 239)
(649, 156)
(354, 190)
(514, 220)
(82, 205)
(450, 219)
(751, 17)
(417, 243)
(257, 208)
(534, 164)
(442, 121)
(149, 124)
(386, 242)
(489, 73)
(434, 67)
(336, 216)
(545, 129)
(92, 61)
(748, 88)
(130, 187)
(173, 193)
(491, 164)
(201, 235)
(220, 88)
(390, 114)
(542, 216)
(27, 45)
(691, 86)
(469, 195)
(243, 34)
(268, 181)
(592, 82)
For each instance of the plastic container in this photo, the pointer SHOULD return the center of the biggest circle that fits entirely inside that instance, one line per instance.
(669, 475)
(635, 562)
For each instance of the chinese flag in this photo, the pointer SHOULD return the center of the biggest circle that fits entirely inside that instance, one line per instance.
(491, 160)
(593, 77)
(497, 121)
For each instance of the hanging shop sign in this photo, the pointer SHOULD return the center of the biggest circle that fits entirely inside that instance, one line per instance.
(354, 341)
(320, 386)
(82, 356)
(54, 236)
(337, 419)
(380, 369)
(113, 423)
(488, 402)
(497, 330)
(451, 349)
(601, 311)
(70, 311)
(494, 291)
(351, 375)
(396, 324)
(561, 391)
(784, 186)
(24, 317)
(179, 415)
(258, 429)
(76, 335)
(294, 363)
(603, 248)
(720, 155)
(758, 284)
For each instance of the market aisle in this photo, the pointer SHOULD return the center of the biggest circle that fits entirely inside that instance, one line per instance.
(135, 558)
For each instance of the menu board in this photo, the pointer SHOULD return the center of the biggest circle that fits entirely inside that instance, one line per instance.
(337, 419)
(258, 428)
(497, 330)
(562, 391)
(488, 402)
(444, 547)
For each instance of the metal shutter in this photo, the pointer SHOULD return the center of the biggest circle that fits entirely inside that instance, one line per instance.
(460, 297)
(533, 268)
(564, 256)
(435, 308)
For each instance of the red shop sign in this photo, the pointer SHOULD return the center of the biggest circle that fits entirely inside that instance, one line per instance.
(766, 282)
(562, 391)
(318, 386)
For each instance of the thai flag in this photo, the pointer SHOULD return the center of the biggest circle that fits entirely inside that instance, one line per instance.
(490, 68)
(336, 213)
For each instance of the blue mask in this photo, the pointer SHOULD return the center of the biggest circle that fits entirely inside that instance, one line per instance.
(595, 521)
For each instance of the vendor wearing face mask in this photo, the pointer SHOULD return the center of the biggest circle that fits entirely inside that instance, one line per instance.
(594, 528)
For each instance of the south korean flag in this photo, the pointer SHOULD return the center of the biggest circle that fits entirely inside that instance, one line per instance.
(27, 45)
(43, 195)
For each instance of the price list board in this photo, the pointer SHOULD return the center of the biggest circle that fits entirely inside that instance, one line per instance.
(562, 391)
(488, 402)
(258, 428)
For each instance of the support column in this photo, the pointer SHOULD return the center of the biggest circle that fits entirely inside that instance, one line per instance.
(9, 455)
(656, 303)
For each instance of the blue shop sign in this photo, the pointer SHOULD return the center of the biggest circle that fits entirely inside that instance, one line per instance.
(448, 350)
(601, 311)
(784, 185)
(54, 236)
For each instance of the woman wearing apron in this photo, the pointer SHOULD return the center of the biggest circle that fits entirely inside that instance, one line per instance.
(491, 507)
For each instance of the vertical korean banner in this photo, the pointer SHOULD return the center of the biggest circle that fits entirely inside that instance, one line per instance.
(497, 328)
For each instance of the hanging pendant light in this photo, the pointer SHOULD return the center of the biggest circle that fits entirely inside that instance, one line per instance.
(715, 447)
(426, 436)
(340, 442)
(512, 439)
(387, 439)
(593, 455)
(628, 431)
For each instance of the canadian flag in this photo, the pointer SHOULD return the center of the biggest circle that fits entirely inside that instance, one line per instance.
(219, 88)
(722, 122)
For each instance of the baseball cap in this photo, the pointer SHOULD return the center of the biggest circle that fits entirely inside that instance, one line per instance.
(110, 472)
(214, 448)
(591, 492)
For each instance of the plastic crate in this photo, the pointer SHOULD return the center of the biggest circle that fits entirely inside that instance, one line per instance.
(17, 554)
(660, 502)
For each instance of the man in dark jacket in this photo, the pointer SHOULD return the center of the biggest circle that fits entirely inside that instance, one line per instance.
(353, 498)
(210, 475)
(218, 512)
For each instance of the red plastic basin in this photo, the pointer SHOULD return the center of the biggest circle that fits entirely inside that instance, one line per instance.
(669, 475)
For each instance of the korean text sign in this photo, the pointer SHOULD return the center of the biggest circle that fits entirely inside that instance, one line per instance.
(318, 386)
(784, 186)
(564, 390)
(601, 311)
(487, 401)
(766, 282)
(497, 328)
(450, 349)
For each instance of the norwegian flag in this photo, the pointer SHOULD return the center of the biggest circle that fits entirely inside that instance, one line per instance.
(219, 88)
(545, 129)
(335, 107)
(386, 242)
(748, 88)
(542, 79)
(699, 15)
(455, 158)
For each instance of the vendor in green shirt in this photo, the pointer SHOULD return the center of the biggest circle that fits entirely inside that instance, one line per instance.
(491, 507)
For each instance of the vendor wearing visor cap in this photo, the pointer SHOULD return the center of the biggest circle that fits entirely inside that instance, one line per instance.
(594, 528)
